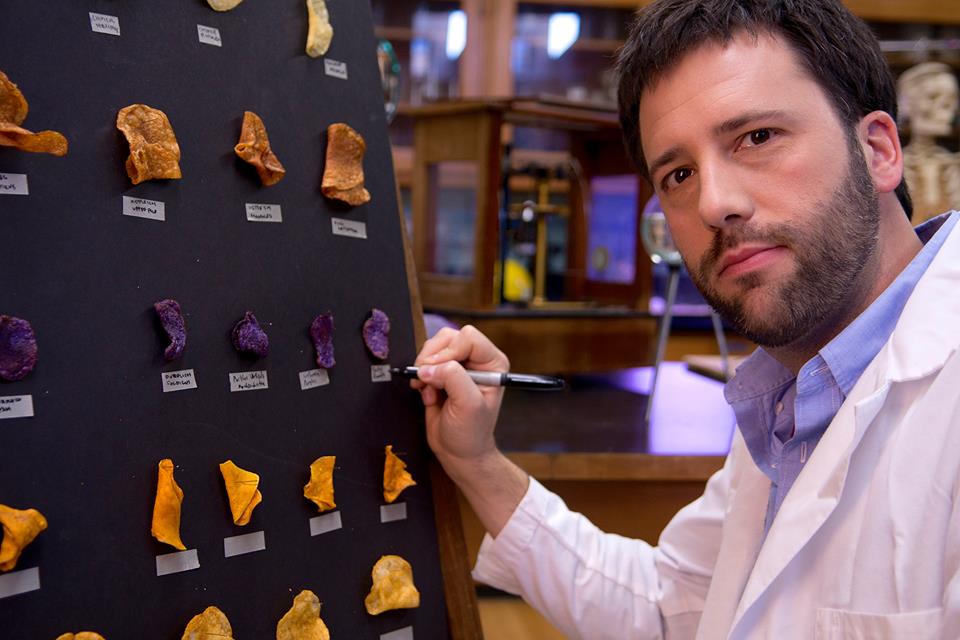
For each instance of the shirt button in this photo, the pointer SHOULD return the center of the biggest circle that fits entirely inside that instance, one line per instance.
(777, 409)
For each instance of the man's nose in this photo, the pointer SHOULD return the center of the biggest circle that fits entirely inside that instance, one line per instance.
(723, 198)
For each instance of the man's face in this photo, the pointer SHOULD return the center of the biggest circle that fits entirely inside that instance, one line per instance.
(768, 197)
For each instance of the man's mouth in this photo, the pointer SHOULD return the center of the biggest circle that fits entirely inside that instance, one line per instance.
(741, 260)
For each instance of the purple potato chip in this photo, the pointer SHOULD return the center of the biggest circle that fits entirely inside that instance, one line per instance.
(171, 318)
(376, 334)
(321, 332)
(248, 337)
(18, 348)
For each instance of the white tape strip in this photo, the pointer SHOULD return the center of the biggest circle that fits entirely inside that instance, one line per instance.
(16, 407)
(325, 524)
(400, 634)
(176, 562)
(247, 543)
(380, 373)
(17, 582)
(393, 512)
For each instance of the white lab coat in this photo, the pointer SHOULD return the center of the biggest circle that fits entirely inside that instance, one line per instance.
(865, 545)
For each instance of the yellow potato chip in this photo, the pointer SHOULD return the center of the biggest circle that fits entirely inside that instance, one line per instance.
(83, 635)
(396, 478)
(212, 624)
(166, 507)
(302, 621)
(393, 586)
(13, 106)
(223, 5)
(319, 30)
(343, 173)
(154, 152)
(320, 487)
(241, 491)
(254, 147)
(20, 527)
(43, 142)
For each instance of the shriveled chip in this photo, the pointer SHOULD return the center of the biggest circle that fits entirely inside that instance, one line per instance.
(13, 106)
(223, 5)
(83, 635)
(302, 621)
(393, 586)
(254, 147)
(165, 526)
(343, 173)
(18, 348)
(154, 152)
(241, 491)
(396, 478)
(212, 624)
(43, 142)
(320, 487)
(321, 332)
(376, 334)
(171, 318)
(248, 337)
(20, 527)
(319, 30)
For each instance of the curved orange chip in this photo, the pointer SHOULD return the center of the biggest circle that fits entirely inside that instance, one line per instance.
(20, 527)
(13, 106)
(154, 152)
(43, 142)
(343, 173)
(83, 635)
(241, 491)
(302, 621)
(212, 624)
(396, 478)
(320, 487)
(165, 526)
(254, 147)
(393, 586)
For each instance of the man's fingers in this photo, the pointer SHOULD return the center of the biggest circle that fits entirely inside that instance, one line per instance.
(470, 347)
(435, 344)
(453, 379)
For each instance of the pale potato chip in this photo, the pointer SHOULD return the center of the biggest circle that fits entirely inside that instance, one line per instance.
(319, 30)
(241, 491)
(393, 586)
(343, 173)
(396, 478)
(212, 624)
(223, 5)
(42, 142)
(165, 526)
(13, 106)
(83, 635)
(302, 621)
(20, 527)
(154, 152)
(254, 147)
(320, 487)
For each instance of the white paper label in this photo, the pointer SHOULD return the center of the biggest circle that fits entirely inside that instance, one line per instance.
(247, 543)
(14, 184)
(209, 35)
(248, 380)
(16, 407)
(380, 373)
(176, 562)
(17, 582)
(313, 379)
(349, 228)
(263, 212)
(335, 68)
(393, 512)
(143, 208)
(103, 23)
(178, 380)
(400, 634)
(325, 524)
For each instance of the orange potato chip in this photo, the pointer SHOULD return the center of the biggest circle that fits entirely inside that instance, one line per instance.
(319, 30)
(154, 152)
(320, 487)
(13, 106)
(254, 147)
(83, 635)
(343, 174)
(302, 621)
(165, 526)
(241, 491)
(393, 586)
(396, 478)
(43, 142)
(212, 624)
(20, 527)
(223, 5)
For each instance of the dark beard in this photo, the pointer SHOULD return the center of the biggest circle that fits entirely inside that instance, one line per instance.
(831, 253)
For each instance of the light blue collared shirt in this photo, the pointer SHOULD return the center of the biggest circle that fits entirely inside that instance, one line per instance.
(781, 417)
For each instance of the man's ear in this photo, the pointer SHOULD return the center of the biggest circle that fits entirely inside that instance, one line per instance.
(880, 140)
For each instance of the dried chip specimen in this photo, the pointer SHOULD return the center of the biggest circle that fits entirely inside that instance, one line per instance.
(212, 624)
(18, 348)
(393, 586)
(319, 31)
(13, 106)
(254, 147)
(20, 527)
(43, 142)
(396, 478)
(248, 337)
(171, 318)
(83, 635)
(165, 526)
(241, 491)
(343, 173)
(321, 332)
(303, 621)
(376, 334)
(154, 152)
(223, 5)
(320, 487)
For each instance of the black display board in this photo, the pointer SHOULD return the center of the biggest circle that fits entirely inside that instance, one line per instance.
(86, 277)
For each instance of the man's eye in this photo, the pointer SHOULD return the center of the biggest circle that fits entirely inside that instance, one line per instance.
(678, 176)
(759, 136)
